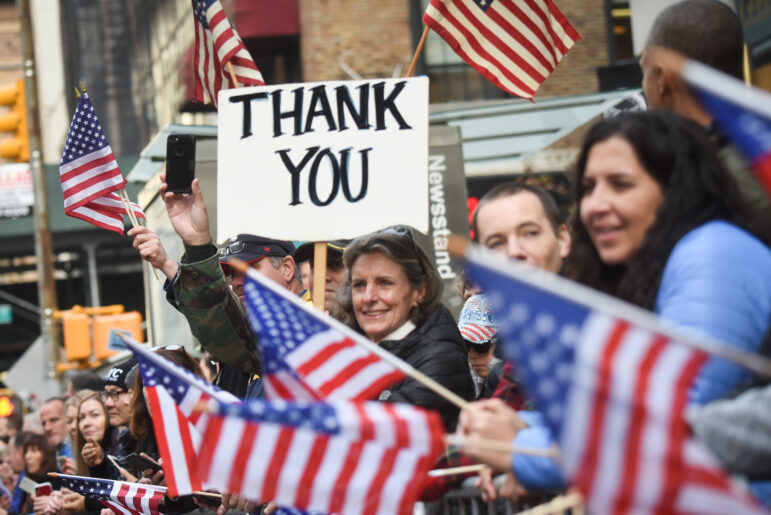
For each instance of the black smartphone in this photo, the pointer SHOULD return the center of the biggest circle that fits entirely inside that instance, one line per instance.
(180, 162)
(141, 463)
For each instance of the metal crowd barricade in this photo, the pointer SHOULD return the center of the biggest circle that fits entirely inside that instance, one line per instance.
(467, 500)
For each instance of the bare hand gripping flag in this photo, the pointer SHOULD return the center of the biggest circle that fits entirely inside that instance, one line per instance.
(612, 390)
(217, 44)
(308, 355)
(339, 457)
(89, 173)
(516, 44)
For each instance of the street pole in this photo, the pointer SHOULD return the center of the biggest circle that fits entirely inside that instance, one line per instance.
(43, 247)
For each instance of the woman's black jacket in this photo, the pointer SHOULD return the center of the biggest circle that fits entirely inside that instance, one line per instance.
(436, 348)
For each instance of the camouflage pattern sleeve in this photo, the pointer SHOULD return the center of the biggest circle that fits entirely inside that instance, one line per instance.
(215, 314)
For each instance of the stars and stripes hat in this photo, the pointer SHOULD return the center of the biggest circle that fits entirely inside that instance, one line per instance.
(477, 321)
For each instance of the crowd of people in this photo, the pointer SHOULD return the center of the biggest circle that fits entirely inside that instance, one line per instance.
(666, 215)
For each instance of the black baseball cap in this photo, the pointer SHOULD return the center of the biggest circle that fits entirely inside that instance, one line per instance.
(250, 248)
(305, 251)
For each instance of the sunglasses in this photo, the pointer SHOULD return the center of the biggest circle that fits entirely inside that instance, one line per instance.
(481, 348)
(405, 231)
(238, 246)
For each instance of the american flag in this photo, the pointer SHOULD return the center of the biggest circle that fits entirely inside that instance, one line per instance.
(121, 497)
(172, 395)
(515, 44)
(613, 391)
(338, 457)
(743, 113)
(216, 44)
(307, 355)
(89, 173)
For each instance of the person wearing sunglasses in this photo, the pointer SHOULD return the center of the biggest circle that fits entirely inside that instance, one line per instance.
(477, 326)
(392, 296)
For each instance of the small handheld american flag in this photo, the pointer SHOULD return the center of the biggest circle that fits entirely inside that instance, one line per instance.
(338, 457)
(90, 174)
(120, 496)
(612, 388)
(305, 354)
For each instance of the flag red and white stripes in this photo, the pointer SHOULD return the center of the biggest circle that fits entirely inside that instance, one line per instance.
(515, 44)
(331, 366)
(217, 44)
(342, 457)
(626, 442)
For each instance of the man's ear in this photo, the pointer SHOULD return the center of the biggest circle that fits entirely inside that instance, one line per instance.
(287, 269)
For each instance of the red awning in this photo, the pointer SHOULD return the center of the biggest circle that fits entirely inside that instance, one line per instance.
(265, 18)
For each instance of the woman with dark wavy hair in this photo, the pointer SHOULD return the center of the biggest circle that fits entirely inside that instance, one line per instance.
(392, 296)
(660, 224)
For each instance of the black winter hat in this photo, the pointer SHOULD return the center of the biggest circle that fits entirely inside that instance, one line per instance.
(117, 374)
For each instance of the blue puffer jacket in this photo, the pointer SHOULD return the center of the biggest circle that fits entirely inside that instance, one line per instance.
(717, 281)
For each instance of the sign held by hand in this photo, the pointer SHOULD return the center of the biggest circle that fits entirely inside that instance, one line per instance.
(323, 161)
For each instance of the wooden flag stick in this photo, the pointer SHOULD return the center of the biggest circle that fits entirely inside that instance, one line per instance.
(456, 470)
(208, 494)
(319, 273)
(362, 340)
(232, 74)
(418, 50)
(134, 221)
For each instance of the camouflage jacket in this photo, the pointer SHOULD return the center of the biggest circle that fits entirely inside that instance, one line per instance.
(216, 317)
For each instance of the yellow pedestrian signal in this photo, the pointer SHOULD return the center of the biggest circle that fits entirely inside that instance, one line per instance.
(86, 332)
(15, 121)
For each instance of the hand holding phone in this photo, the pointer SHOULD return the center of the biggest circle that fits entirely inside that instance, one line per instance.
(141, 463)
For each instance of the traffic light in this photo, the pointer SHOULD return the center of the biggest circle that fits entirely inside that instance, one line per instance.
(76, 328)
(15, 121)
(130, 321)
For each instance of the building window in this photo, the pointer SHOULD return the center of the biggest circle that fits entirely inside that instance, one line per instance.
(619, 16)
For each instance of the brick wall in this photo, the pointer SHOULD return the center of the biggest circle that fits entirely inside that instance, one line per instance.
(371, 36)
(577, 72)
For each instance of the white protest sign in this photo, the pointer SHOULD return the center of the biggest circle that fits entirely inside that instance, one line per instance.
(322, 161)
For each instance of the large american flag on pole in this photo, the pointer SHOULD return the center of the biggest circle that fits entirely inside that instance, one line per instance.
(612, 389)
(121, 497)
(516, 44)
(308, 355)
(90, 174)
(172, 395)
(217, 44)
(337, 457)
